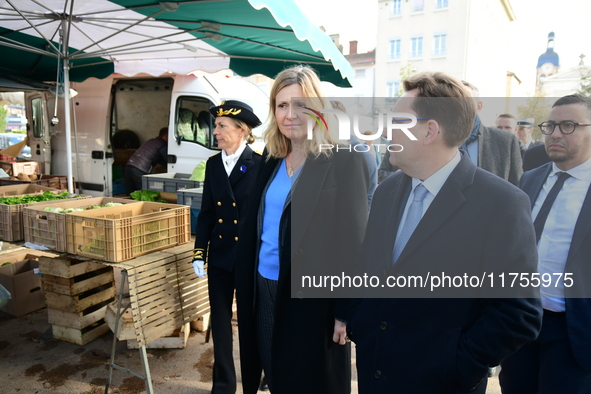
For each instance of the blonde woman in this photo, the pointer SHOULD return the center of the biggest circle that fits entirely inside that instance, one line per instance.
(306, 199)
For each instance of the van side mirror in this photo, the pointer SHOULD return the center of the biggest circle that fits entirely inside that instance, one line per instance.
(178, 139)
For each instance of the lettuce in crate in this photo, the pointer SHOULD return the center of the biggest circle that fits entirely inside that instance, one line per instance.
(146, 195)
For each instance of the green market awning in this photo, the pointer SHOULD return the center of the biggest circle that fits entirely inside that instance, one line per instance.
(100, 37)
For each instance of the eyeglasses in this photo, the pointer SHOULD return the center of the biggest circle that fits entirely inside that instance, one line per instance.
(401, 121)
(566, 127)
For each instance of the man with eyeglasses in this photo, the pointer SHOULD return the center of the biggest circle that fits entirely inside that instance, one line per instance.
(559, 361)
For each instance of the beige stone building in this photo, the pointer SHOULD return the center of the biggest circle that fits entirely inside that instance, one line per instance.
(465, 38)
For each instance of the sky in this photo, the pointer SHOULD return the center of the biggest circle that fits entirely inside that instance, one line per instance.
(569, 19)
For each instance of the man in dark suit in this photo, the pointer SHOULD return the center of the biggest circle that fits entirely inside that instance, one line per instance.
(534, 157)
(468, 221)
(559, 361)
(491, 149)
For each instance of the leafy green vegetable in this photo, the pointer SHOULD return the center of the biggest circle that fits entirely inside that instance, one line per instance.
(29, 198)
(198, 172)
(81, 209)
(146, 195)
(8, 262)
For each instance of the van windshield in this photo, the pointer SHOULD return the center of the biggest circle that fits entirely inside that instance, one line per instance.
(194, 123)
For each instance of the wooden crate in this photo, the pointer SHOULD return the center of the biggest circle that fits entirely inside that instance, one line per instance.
(49, 228)
(83, 336)
(79, 284)
(80, 302)
(59, 182)
(68, 266)
(77, 320)
(77, 292)
(15, 167)
(121, 233)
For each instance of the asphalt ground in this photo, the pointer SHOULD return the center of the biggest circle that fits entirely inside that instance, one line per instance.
(33, 362)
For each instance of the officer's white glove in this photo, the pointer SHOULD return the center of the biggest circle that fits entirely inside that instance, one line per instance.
(198, 267)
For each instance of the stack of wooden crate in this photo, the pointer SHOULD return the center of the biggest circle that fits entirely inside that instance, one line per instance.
(77, 292)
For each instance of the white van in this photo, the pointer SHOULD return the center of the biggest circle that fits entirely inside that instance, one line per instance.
(113, 116)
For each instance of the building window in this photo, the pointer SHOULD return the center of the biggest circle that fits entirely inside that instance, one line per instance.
(396, 7)
(360, 73)
(394, 52)
(418, 5)
(393, 88)
(440, 44)
(441, 4)
(416, 47)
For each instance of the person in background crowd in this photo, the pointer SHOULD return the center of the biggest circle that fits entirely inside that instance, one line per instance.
(525, 129)
(309, 208)
(559, 360)
(507, 122)
(439, 211)
(373, 149)
(535, 157)
(229, 178)
(152, 152)
(372, 168)
(386, 169)
(491, 149)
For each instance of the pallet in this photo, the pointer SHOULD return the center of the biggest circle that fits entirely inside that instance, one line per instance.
(202, 323)
(126, 328)
(177, 340)
(81, 336)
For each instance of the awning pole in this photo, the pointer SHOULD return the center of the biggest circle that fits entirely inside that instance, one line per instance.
(68, 125)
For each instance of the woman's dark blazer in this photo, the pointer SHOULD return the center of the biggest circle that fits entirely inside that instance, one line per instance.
(223, 208)
(330, 210)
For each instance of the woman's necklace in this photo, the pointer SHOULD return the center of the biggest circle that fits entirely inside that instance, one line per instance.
(290, 170)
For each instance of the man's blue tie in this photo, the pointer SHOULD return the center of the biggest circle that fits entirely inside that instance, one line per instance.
(548, 202)
(413, 217)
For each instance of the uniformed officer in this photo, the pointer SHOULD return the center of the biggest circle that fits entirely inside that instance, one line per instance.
(229, 178)
(525, 128)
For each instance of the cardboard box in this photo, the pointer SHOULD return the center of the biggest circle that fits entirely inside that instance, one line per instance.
(22, 278)
(24, 286)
